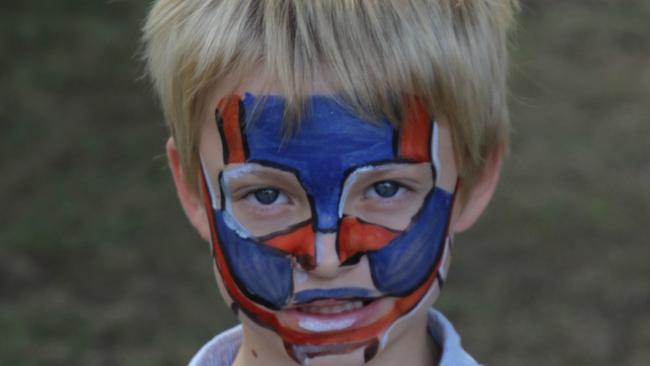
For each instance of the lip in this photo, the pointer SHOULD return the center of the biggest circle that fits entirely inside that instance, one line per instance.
(342, 293)
(333, 322)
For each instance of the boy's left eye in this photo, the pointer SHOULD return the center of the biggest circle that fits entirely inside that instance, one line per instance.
(384, 189)
(268, 196)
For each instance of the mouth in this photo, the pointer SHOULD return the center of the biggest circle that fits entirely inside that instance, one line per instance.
(332, 307)
(334, 315)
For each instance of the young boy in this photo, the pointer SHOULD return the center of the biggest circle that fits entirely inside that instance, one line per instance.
(329, 150)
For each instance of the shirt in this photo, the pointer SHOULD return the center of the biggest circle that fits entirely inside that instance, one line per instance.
(222, 349)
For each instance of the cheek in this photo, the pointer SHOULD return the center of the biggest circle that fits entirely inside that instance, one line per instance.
(394, 214)
(400, 267)
(222, 290)
(262, 220)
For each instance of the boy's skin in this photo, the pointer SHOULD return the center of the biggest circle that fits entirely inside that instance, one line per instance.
(409, 342)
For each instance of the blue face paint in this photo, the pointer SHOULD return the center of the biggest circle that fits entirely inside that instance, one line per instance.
(263, 273)
(407, 261)
(330, 144)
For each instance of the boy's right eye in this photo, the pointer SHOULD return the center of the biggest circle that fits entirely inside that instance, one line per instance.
(267, 196)
(386, 189)
(264, 200)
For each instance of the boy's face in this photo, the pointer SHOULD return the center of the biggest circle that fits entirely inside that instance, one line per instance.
(335, 236)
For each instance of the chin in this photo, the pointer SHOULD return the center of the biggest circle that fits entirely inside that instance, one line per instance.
(331, 328)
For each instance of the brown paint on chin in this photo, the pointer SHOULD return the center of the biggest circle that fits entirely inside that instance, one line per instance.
(234, 307)
(254, 353)
(371, 351)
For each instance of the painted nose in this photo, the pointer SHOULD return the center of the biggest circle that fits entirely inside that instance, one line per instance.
(327, 260)
(328, 220)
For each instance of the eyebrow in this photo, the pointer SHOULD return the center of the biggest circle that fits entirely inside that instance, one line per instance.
(388, 169)
(265, 172)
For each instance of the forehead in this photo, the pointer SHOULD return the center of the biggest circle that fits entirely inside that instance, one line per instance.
(330, 144)
(329, 134)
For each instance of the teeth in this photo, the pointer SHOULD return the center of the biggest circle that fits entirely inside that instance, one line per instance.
(335, 309)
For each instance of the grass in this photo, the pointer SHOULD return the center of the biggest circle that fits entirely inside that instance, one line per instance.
(98, 265)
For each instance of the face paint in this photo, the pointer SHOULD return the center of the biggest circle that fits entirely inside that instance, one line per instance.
(331, 152)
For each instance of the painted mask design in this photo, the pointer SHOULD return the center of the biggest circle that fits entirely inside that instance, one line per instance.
(330, 151)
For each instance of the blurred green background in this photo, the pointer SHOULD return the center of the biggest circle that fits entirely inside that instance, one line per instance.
(98, 265)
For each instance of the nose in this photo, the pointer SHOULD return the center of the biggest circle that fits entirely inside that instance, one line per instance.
(328, 264)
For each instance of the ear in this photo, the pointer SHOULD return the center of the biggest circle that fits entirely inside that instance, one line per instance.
(471, 208)
(190, 200)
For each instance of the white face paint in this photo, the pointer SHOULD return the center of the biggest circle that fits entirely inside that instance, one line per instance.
(350, 182)
(434, 148)
(300, 276)
(320, 248)
(322, 326)
(229, 218)
(213, 198)
(442, 271)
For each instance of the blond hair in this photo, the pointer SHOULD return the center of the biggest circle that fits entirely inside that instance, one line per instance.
(451, 54)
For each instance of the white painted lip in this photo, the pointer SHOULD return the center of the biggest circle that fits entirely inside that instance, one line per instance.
(315, 325)
(313, 321)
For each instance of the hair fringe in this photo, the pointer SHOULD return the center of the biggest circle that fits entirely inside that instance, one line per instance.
(451, 54)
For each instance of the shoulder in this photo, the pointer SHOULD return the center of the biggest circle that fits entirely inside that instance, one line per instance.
(444, 333)
(220, 350)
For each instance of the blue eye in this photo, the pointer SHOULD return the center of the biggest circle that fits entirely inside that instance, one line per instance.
(266, 196)
(386, 189)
